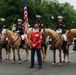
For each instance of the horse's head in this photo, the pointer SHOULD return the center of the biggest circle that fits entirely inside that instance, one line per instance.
(45, 38)
(4, 35)
(69, 36)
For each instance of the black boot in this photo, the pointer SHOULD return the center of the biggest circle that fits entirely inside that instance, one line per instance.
(23, 44)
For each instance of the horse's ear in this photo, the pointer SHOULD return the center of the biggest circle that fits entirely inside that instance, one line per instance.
(43, 29)
(69, 30)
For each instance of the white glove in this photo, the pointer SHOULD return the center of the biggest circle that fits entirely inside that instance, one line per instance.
(34, 45)
(17, 31)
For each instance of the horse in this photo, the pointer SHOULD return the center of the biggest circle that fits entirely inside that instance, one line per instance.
(70, 34)
(8, 50)
(56, 43)
(66, 44)
(15, 42)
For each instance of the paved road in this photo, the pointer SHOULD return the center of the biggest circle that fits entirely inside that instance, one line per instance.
(7, 68)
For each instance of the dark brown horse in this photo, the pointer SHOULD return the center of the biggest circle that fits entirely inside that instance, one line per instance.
(15, 42)
(56, 43)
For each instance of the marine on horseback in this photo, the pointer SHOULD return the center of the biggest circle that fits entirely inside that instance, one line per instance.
(20, 31)
(60, 26)
(60, 29)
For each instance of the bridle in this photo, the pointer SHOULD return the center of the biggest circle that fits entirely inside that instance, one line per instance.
(55, 40)
(10, 38)
(70, 35)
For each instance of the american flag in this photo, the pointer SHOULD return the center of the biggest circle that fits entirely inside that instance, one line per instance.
(25, 17)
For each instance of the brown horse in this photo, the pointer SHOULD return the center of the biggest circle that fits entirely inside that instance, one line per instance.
(65, 46)
(15, 42)
(56, 43)
(70, 36)
(8, 51)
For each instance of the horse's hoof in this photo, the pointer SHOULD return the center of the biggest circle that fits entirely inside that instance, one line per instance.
(13, 62)
(53, 64)
(0, 60)
(26, 59)
(60, 64)
(6, 59)
(68, 61)
(44, 60)
(19, 62)
(63, 61)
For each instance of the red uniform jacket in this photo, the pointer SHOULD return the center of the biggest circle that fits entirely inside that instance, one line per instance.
(35, 38)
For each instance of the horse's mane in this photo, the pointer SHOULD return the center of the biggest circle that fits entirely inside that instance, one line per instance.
(52, 32)
(12, 33)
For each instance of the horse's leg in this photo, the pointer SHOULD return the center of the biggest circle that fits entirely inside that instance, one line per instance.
(7, 52)
(0, 54)
(68, 54)
(13, 56)
(60, 62)
(63, 55)
(68, 57)
(19, 59)
(27, 54)
(45, 52)
(54, 57)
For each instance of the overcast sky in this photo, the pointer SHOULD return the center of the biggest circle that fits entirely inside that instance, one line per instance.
(73, 2)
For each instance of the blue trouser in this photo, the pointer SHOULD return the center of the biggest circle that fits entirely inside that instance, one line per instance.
(38, 56)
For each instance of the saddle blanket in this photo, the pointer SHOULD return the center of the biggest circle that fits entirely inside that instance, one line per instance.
(64, 36)
(23, 37)
(59, 31)
(74, 38)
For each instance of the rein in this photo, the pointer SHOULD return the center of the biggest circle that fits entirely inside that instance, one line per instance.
(70, 35)
(56, 40)
(9, 38)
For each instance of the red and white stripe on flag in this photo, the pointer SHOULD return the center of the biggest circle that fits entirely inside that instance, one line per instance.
(25, 20)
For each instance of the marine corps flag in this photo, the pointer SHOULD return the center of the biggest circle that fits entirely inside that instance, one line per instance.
(25, 17)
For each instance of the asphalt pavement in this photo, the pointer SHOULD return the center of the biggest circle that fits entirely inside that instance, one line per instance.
(7, 68)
